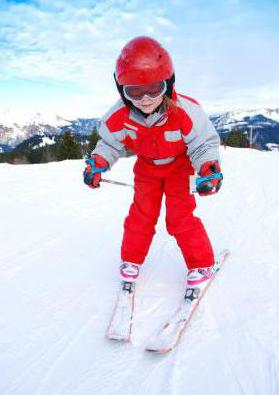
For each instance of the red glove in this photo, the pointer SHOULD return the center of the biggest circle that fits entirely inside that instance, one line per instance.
(211, 186)
(93, 178)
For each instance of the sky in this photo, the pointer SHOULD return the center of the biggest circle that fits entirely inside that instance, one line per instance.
(58, 57)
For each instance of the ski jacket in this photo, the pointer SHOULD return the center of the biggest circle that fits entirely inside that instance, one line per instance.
(159, 137)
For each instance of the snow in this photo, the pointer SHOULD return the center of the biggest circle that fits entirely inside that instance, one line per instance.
(45, 141)
(60, 244)
(272, 147)
(11, 118)
(240, 114)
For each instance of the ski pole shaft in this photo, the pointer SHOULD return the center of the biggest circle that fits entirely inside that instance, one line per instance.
(124, 184)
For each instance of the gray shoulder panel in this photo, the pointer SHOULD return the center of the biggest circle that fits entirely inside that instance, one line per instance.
(202, 141)
(108, 146)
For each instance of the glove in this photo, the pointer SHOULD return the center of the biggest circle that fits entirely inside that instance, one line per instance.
(211, 178)
(92, 173)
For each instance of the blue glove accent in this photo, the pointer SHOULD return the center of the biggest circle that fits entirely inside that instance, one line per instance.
(95, 169)
(200, 180)
(88, 177)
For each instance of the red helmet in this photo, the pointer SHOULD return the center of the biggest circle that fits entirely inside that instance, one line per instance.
(143, 61)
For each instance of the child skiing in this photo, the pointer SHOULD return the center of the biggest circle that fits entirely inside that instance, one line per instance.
(172, 137)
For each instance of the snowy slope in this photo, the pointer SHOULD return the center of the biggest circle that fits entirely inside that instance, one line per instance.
(60, 245)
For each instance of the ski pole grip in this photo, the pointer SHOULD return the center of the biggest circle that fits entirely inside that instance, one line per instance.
(88, 176)
(95, 169)
(200, 180)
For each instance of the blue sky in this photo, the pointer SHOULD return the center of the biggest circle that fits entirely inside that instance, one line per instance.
(59, 57)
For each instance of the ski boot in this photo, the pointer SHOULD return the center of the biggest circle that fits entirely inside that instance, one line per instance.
(129, 271)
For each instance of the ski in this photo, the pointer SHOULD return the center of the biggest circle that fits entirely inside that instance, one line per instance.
(120, 326)
(171, 332)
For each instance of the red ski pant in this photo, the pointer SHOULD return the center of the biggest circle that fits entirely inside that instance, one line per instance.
(151, 182)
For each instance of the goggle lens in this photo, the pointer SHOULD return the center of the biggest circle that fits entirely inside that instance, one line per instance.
(137, 92)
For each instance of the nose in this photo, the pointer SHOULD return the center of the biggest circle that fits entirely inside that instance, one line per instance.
(147, 99)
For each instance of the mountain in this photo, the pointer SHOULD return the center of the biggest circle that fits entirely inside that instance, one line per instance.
(60, 255)
(35, 142)
(38, 141)
(38, 131)
(264, 124)
(5, 148)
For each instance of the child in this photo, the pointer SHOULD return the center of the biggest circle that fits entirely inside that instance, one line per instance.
(171, 136)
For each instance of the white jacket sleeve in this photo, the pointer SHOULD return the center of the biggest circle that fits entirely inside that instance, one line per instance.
(203, 140)
(108, 147)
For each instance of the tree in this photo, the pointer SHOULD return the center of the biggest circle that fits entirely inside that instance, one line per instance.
(35, 156)
(93, 138)
(68, 148)
(237, 138)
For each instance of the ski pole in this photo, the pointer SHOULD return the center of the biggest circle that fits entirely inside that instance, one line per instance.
(124, 184)
(198, 181)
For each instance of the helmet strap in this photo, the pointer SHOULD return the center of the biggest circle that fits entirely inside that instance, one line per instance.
(170, 83)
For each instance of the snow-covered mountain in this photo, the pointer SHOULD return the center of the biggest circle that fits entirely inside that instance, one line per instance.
(265, 124)
(60, 253)
(230, 119)
(13, 134)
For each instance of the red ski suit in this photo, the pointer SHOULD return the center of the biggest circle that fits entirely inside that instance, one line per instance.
(168, 144)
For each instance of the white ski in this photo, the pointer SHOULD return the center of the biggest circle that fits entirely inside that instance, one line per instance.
(120, 326)
(170, 334)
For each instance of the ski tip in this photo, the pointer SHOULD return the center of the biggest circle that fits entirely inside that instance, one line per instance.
(223, 254)
(158, 351)
(118, 338)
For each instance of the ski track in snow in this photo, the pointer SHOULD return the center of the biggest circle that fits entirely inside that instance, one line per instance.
(60, 245)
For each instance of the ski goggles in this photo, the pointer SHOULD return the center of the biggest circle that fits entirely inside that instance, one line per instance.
(137, 92)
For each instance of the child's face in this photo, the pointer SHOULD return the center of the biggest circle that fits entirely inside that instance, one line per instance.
(147, 104)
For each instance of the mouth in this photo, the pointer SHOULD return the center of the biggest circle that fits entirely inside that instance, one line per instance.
(147, 105)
